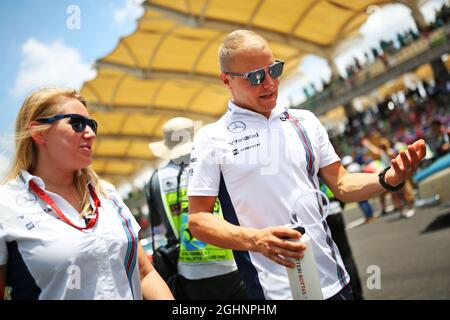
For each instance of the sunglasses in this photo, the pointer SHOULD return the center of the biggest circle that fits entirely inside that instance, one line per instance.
(256, 77)
(77, 121)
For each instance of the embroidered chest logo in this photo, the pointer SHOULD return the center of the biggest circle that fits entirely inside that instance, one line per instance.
(236, 127)
(244, 139)
(298, 119)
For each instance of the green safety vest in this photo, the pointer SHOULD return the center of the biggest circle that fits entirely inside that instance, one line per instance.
(192, 250)
(335, 205)
(324, 188)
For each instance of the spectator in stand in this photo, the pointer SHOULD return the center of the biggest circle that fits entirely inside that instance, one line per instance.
(375, 53)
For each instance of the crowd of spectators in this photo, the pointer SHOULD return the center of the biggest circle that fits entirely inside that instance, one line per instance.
(385, 49)
(398, 123)
(442, 17)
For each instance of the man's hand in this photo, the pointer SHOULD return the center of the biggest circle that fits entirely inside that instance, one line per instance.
(406, 163)
(274, 243)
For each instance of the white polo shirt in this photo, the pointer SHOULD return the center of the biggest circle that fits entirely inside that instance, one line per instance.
(48, 259)
(255, 165)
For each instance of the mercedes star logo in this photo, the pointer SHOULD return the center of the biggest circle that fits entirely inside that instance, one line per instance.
(236, 127)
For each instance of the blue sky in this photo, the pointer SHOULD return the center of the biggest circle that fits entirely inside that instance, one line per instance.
(53, 42)
(42, 44)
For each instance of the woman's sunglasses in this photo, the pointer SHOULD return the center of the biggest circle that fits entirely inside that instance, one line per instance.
(77, 121)
(256, 77)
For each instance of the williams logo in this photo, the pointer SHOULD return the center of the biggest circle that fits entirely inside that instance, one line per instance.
(297, 119)
(236, 127)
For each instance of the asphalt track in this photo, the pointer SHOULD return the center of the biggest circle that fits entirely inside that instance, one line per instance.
(402, 259)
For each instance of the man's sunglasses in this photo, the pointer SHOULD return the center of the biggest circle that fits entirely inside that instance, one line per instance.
(256, 77)
(77, 121)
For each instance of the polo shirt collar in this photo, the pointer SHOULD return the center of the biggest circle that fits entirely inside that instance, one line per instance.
(25, 177)
(235, 109)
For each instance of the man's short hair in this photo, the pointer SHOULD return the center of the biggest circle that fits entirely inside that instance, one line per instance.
(239, 41)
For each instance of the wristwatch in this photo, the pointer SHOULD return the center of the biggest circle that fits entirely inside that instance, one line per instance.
(385, 185)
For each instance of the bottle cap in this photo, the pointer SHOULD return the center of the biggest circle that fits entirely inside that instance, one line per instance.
(300, 229)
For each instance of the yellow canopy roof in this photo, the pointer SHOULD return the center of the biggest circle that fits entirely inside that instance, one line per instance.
(169, 67)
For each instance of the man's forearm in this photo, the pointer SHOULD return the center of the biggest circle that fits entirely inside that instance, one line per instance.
(358, 186)
(211, 229)
(273, 242)
(350, 187)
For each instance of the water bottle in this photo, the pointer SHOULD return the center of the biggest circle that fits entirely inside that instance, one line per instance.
(304, 278)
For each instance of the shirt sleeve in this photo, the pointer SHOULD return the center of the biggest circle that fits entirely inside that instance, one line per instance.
(327, 153)
(134, 224)
(204, 169)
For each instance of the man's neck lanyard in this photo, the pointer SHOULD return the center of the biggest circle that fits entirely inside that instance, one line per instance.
(44, 196)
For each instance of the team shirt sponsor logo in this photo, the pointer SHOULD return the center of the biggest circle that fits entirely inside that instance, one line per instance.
(236, 126)
(29, 225)
(245, 138)
(284, 118)
(250, 147)
(33, 219)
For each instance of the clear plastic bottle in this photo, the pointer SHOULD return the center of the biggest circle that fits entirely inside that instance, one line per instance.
(304, 277)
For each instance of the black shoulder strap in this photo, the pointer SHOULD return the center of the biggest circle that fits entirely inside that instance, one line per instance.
(156, 209)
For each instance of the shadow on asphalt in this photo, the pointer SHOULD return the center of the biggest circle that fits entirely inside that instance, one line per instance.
(441, 222)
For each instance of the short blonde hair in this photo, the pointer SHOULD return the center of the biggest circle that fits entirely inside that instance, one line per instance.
(239, 41)
(44, 103)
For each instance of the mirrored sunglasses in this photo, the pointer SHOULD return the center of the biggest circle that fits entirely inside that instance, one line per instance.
(77, 121)
(256, 77)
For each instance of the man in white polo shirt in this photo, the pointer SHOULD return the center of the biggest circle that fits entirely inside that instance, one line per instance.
(255, 159)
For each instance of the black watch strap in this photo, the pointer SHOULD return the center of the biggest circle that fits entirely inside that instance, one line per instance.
(382, 180)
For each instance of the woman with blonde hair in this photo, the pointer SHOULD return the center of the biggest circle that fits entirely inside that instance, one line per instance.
(65, 234)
